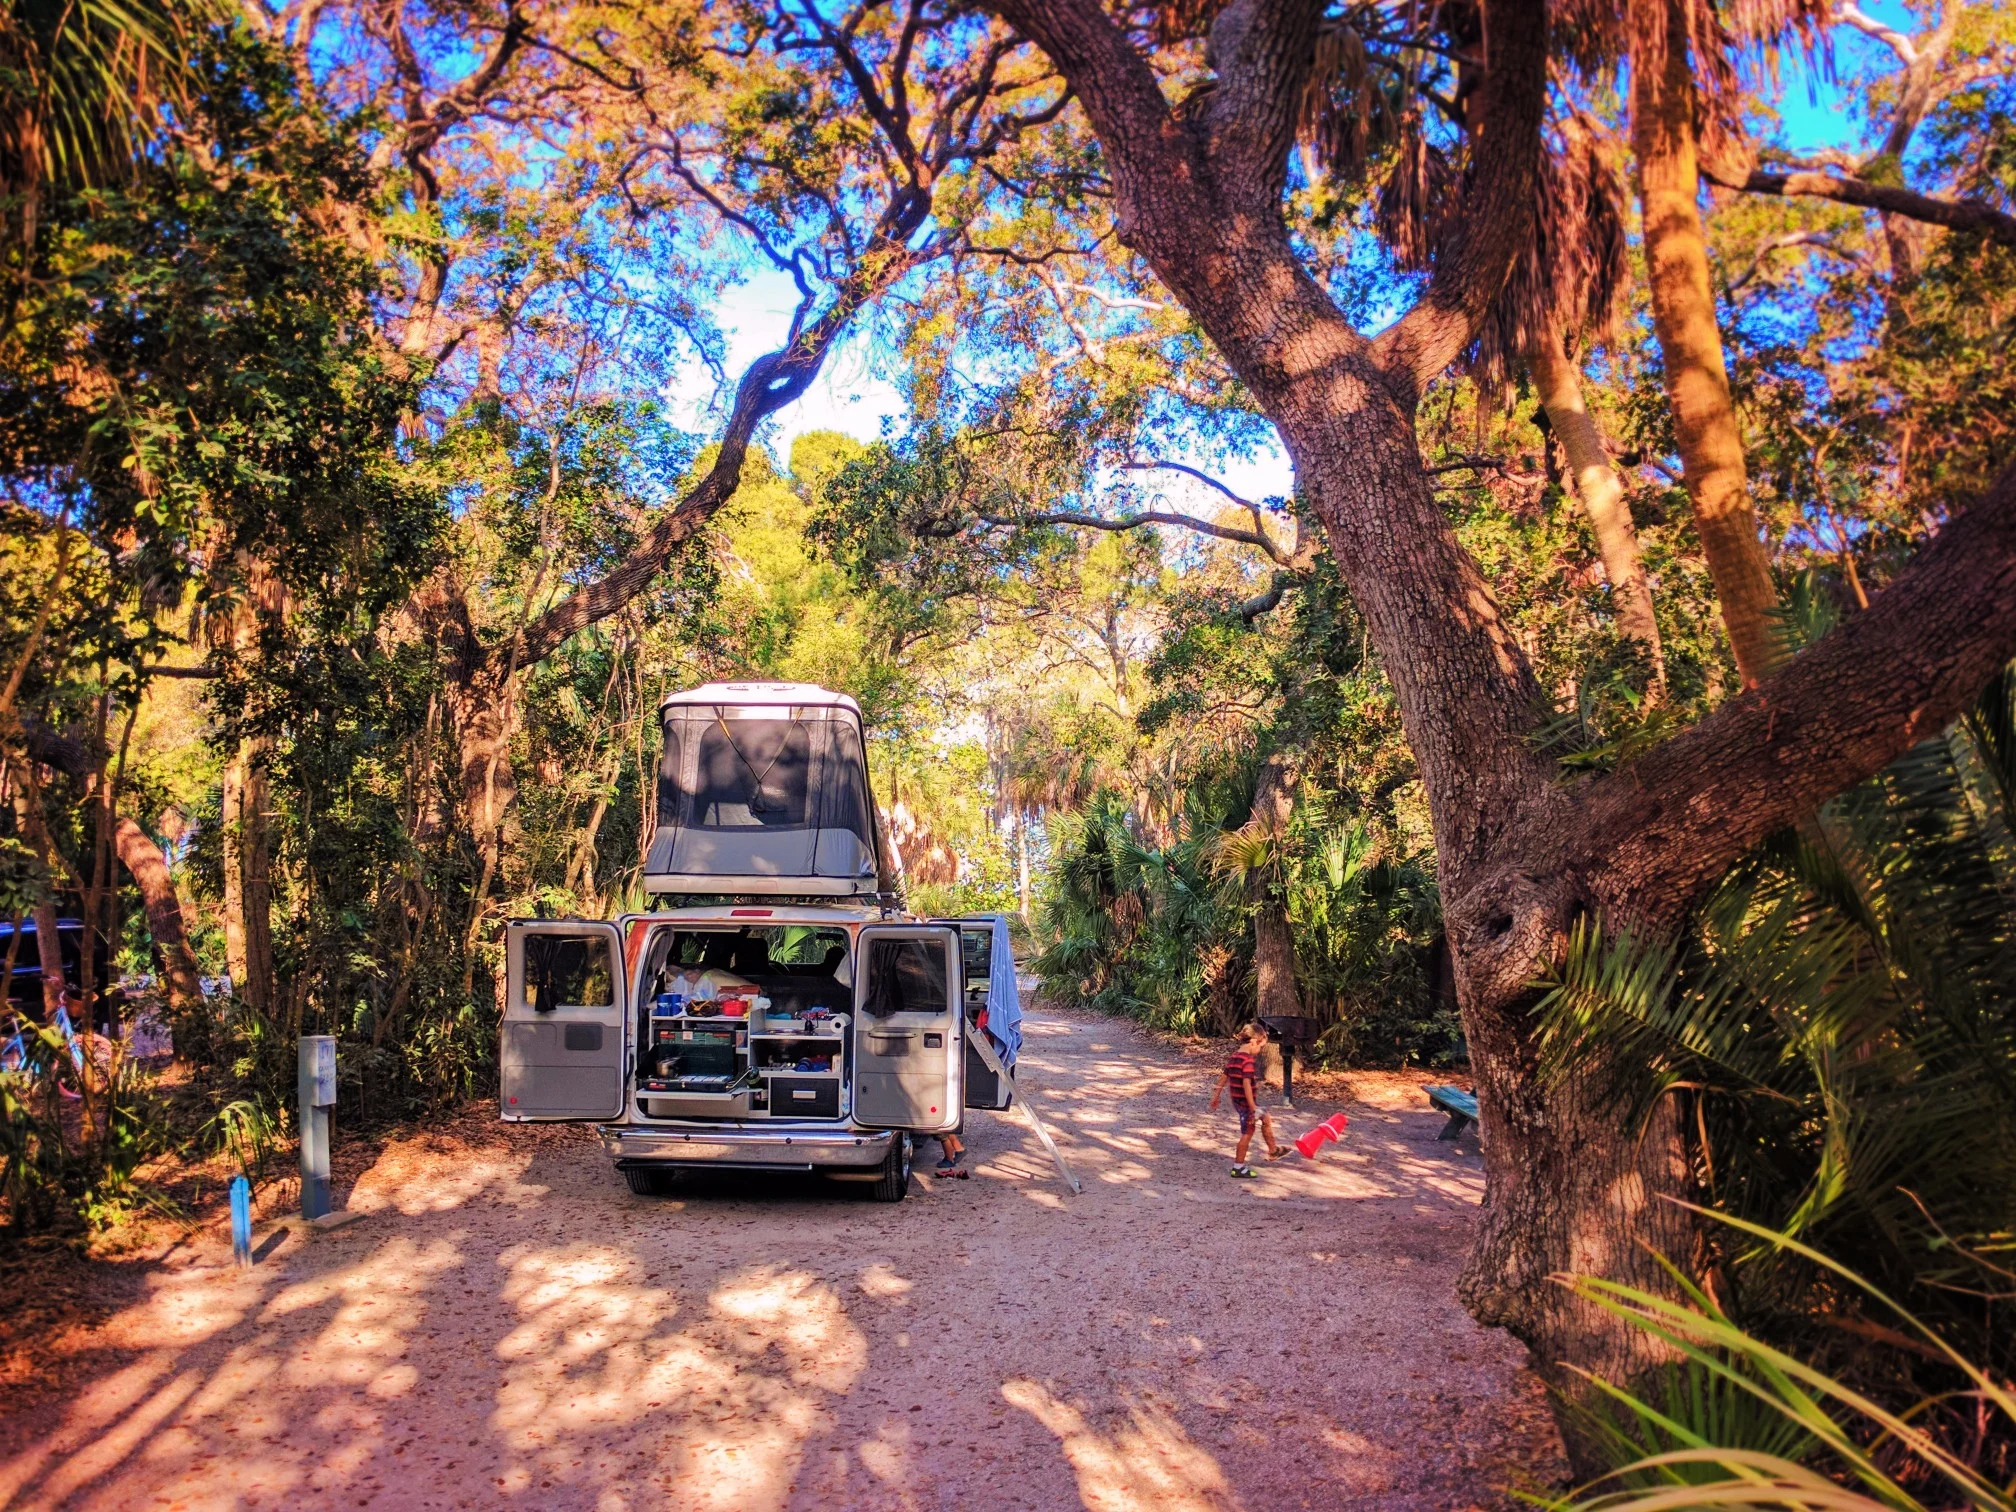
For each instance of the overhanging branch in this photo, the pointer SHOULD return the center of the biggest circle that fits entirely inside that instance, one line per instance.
(1955, 215)
(1867, 692)
(771, 382)
(1137, 520)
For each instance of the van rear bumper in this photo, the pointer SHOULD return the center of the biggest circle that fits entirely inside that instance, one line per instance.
(778, 1149)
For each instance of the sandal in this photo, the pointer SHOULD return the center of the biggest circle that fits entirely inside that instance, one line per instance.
(1280, 1151)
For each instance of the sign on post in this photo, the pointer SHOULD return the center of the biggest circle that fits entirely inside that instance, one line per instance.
(316, 1084)
(325, 1068)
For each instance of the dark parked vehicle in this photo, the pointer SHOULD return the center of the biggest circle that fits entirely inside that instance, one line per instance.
(24, 987)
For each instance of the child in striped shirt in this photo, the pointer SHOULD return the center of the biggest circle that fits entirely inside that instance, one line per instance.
(1241, 1077)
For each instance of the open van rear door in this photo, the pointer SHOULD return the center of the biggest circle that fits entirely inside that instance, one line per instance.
(909, 1030)
(989, 1084)
(563, 1049)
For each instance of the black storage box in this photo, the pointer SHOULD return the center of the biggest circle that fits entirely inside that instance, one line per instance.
(804, 1096)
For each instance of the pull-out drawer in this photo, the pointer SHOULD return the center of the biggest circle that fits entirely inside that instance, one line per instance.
(694, 1104)
(810, 1096)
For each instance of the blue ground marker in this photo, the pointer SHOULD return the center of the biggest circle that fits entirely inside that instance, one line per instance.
(241, 1220)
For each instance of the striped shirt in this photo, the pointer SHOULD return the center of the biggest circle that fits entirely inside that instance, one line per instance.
(1243, 1073)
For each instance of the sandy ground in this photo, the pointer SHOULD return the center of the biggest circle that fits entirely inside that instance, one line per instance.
(509, 1327)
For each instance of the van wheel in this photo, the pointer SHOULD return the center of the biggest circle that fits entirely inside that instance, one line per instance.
(649, 1181)
(894, 1179)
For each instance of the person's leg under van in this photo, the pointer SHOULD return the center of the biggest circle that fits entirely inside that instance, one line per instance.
(953, 1151)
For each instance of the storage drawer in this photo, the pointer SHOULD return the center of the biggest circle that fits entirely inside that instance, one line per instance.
(694, 1104)
(804, 1096)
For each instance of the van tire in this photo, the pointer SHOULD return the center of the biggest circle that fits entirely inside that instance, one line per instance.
(894, 1178)
(649, 1181)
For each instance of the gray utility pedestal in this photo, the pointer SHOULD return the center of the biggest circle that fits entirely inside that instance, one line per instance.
(317, 1087)
(1292, 1032)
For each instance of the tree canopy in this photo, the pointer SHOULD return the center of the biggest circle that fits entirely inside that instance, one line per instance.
(1398, 514)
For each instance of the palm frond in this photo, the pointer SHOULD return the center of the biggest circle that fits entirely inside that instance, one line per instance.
(1831, 1423)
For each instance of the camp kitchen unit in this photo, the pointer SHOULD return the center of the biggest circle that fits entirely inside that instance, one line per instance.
(784, 1015)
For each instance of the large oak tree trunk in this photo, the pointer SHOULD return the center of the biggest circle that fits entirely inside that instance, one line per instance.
(1690, 341)
(1567, 1184)
(1602, 494)
(1520, 853)
(1571, 1187)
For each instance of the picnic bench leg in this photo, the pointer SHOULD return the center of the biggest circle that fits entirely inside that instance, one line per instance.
(1288, 1074)
(1454, 1128)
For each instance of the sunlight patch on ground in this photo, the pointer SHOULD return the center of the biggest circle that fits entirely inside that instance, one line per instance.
(413, 1180)
(206, 1433)
(1145, 1464)
(723, 1406)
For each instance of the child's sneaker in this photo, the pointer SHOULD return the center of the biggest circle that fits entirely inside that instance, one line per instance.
(1244, 1172)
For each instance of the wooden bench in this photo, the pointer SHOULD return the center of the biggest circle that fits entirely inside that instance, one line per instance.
(1461, 1107)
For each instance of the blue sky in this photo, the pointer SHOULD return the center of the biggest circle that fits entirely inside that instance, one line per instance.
(854, 397)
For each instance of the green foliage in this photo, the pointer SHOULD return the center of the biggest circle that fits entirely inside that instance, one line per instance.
(1743, 1423)
(234, 394)
(75, 1127)
(22, 877)
(1164, 933)
(1838, 1019)
(249, 1132)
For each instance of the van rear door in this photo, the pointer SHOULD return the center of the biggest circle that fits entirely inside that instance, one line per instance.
(909, 1030)
(564, 1046)
(987, 1083)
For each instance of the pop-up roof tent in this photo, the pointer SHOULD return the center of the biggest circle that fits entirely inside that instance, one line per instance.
(764, 790)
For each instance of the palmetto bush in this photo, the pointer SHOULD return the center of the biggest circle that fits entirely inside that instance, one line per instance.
(1841, 1022)
(1134, 929)
(1742, 1423)
(1165, 934)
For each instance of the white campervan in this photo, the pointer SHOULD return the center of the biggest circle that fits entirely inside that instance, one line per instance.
(788, 1017)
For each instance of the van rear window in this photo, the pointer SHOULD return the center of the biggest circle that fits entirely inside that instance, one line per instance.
(905, 976)
(568, 970)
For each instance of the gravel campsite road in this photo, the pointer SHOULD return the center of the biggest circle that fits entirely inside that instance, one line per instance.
(510, 1327)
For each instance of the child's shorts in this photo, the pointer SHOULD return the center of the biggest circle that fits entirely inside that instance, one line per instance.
(1248, 1118)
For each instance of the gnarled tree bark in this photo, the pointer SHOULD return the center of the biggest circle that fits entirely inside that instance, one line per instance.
(141, 857)
(149, 868)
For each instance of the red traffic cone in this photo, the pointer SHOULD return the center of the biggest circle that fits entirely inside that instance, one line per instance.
(1331, 1128)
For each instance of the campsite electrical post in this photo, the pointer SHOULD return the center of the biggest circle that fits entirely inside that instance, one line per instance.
(317, 1086)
